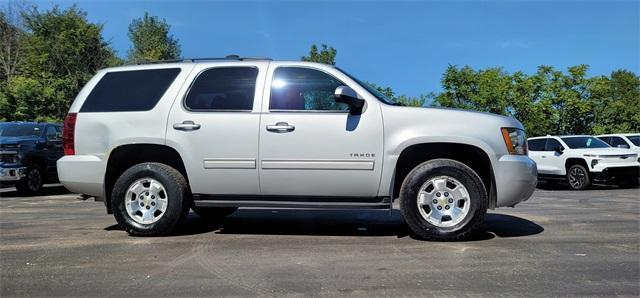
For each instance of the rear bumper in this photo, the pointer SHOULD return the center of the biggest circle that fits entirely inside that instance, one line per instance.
(82, 174)
(12, 174)
(516, 178)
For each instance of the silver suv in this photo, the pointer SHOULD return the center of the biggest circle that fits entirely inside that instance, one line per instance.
(153, 141)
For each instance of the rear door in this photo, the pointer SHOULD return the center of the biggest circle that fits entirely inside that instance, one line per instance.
(554, 161)
(312, 146)
(214, 126)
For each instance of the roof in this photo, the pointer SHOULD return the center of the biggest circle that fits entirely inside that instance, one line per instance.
(183, 60)
(619, 134)
(562, 136)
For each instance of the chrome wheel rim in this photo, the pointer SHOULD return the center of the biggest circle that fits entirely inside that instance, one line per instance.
(577, 177)
(34, 179)
(146, 200)
(443, 201)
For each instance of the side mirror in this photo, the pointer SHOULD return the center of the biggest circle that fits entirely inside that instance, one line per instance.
(558, 149)
(346, 95)
(623, 146)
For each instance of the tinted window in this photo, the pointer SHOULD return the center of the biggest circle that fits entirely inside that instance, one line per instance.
(138, 90)
(224, 88)
(616, 141)
(536, 145)
(634, 139)
(584, 142)
(51, 133)
(295, 88)
(552, 144)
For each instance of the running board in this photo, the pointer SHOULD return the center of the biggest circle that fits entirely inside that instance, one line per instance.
(200, 200)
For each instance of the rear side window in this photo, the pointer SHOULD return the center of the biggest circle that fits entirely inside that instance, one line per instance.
(536, 145)
(127, 91)
(552, 144)
(223, 88)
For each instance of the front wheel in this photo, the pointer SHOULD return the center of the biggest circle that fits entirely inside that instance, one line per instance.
(578, 177)
(31, 184)
(150, 199)
(443, 199)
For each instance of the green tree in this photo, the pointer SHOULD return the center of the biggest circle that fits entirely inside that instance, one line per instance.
(326, 55)
(616, 102)
(11, 39)
(151, 40)
(62, 52)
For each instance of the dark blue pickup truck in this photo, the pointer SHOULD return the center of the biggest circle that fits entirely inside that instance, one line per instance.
(28, 154)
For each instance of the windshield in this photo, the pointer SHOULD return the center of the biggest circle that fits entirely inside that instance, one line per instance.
(584, 142)
(373, 91)
(19, 130)
(635, 139)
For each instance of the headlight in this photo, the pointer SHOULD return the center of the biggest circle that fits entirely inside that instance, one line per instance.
(515, 139)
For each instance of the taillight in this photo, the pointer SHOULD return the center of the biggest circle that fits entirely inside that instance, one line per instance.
(69, 133)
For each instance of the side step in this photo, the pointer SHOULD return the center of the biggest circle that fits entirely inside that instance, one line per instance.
(201, 200)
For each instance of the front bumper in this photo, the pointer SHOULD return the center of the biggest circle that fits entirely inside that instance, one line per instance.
(516, 177)
(619, 174)
(12, 173)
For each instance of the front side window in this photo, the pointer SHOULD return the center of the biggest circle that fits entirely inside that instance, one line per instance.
(51, 133)
(584, 142)
(304, 89)
(618, 141)
(536, 145)
(223, 88)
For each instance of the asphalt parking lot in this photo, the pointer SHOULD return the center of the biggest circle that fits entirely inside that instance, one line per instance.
(560, 242)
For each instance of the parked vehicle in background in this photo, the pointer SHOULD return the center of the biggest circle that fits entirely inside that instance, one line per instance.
(28, 154)
(582, 160)
(215, 135)
(623, 140)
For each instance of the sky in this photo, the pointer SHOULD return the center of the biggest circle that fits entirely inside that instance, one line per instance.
(406, 45)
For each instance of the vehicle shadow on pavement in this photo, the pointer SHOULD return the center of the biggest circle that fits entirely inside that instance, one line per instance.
(564, 186)
(53, 190)
(339, 223)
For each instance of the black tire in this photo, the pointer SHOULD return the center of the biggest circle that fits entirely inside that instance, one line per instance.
(213, 212)
(582, 180)
(178, 202)
(478, 200)
(32, 183)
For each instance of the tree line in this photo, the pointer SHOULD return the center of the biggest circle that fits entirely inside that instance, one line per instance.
(47, 56)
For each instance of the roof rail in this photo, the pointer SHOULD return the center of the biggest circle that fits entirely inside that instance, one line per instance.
(228, 57)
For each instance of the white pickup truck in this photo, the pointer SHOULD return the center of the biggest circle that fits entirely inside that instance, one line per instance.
(155, 140)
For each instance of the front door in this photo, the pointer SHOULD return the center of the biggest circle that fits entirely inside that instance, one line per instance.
(214, 126)
(312, 146)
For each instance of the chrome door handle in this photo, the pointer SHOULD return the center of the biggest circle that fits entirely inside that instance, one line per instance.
(281, 127)
(186, 125)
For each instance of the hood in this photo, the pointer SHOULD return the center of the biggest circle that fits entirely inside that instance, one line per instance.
(605, 151)
(459, 116)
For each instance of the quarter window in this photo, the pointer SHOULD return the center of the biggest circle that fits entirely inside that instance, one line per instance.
(223, 88)
(304, 89)
(122, 91)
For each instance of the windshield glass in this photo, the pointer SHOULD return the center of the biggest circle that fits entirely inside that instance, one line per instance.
(635, 139)
(19, 130)
(373, 91)
(584, 142)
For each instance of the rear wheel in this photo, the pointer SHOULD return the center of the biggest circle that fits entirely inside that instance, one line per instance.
(578, 177)
(213, 212)
(443, 199)
(31, 184)
(150, 199)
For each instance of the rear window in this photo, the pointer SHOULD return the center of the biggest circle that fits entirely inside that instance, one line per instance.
(125, 91)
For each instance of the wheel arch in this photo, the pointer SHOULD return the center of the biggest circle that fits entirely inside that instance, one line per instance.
(124, 156)
(473, 156)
